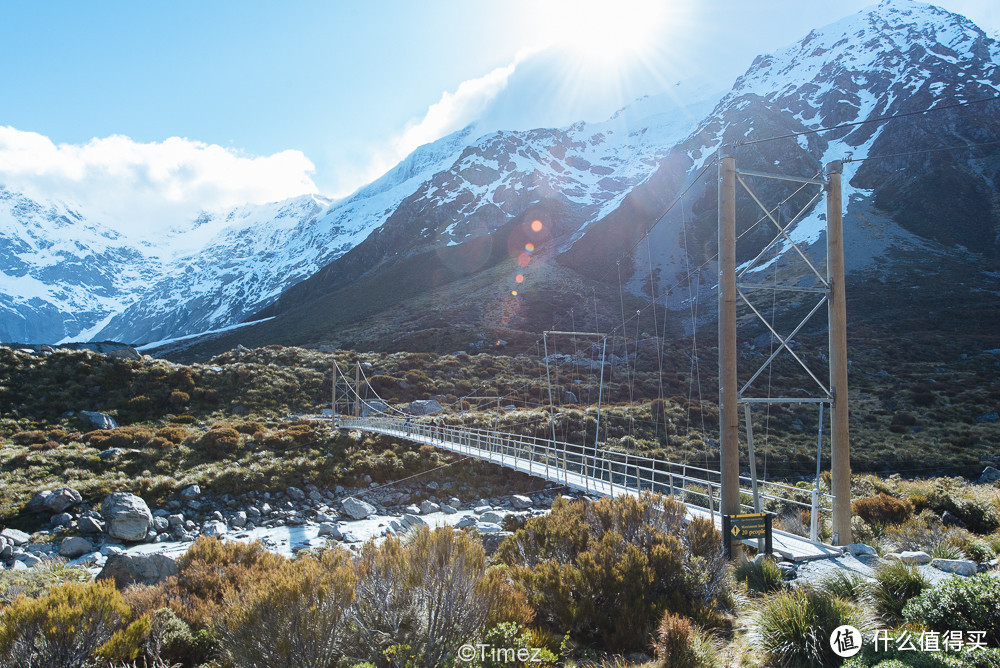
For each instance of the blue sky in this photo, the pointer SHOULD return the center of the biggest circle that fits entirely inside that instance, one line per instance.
(336, 92)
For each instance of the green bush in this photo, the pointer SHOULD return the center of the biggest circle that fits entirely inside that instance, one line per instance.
(895, 584)
(679, 644)
(68, 627)
(847, 585)
(607, 570)
(761, 576)
(292, 618)
(960, 604)
(793, 628)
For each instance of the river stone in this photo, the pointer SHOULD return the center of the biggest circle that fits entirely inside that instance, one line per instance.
(74, 546)
(413, 521)
(126, 569)
(492, 517)
(448, 509)
(859, 549)
(357, 508)
(428, 507)
(88, 525)
(62, 519)
(330, 529)
(15, 537)
(295, 494)
(214, 528)
(127, 516)
(521, 502)
(190, 492)
(957, 566)
(54, 501)
(488, 527)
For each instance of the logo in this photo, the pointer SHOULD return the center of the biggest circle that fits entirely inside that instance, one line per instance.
(845, 641)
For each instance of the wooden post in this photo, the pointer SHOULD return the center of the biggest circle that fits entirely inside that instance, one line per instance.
(840, 467)
(729, 502)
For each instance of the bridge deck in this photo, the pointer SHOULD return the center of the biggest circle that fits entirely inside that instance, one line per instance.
(787, 545)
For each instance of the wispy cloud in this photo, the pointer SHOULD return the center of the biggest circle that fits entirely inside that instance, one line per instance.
(143, 189)
(455, 110)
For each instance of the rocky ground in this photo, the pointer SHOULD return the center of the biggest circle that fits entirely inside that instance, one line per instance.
(129, 541)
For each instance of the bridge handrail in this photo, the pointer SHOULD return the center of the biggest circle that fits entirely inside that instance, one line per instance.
(587, 461)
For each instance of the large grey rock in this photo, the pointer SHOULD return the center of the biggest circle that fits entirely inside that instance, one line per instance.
(15, 537)
(428, 507)
(190, 492)
(295, 494)
(330, 529)
(957, 566)
(989, 475)
(448, 509)
(28, 560)
(357, 508)
(126, 353)
(370, 407)
(413, 521)
(214, 528)
(570, 398)
(239, 519)
(859, 549)
(54, 501)
(89, 526)
(425, 407)
(910, 557)
(521, 502)
(491, 541)
(488, 527)
(100, 420)
(127, 516)
(492, 517)
(62, 519)
(126, 569)
(74, 546)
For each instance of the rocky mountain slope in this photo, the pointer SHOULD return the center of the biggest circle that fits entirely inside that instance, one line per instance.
(451, 253)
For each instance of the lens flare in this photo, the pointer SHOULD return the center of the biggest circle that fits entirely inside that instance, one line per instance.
(513, 293)
(529, 247)
(523, 259)
(536, 225)
(519, 278)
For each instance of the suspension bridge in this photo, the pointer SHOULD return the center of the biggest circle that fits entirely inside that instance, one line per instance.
(725, 493)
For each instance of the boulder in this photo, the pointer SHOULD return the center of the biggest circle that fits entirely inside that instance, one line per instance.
(190, 492)
(910, 557)
(100, 420)
(424, 407)
(239, 519)
(492, 517)
(859, 549)
(214, 528)
(466, 522)
(488, 527)
(570, 398)
(74, 546)
(370, 407)
(295, 494)
(491, 541)
(989, 475)
(427, 507)
(89, 526)
(448, 509)
(521, 502)
(357, 509)
(350, 537)
(62, 519)
(957, 566)
(127, 516)
(53, 501)
(126, 353)
(413, 521)
(15, 537)
(125, 569)
(330, 529)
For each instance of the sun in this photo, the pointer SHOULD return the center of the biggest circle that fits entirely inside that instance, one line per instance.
(602, 33)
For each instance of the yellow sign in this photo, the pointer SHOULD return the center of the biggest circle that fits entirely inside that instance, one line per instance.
(752, 525)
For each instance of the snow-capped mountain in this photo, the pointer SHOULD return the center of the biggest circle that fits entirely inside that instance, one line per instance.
(602, 188)
(457, 209)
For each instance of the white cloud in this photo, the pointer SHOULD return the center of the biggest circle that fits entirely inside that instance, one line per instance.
(144, 189)
(452, 112)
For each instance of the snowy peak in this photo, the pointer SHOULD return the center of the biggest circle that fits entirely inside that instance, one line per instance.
(861, 65)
